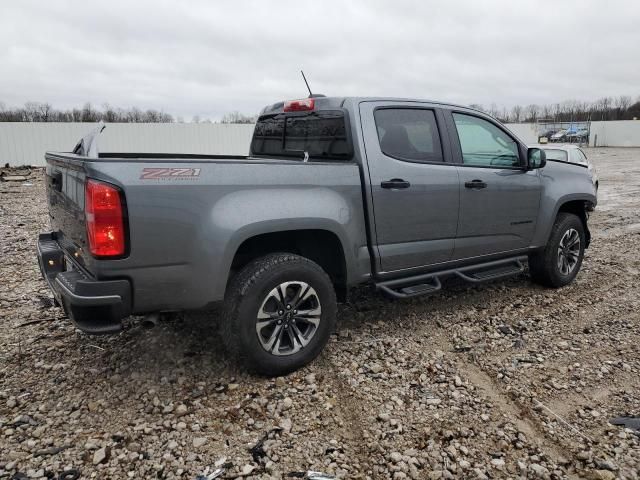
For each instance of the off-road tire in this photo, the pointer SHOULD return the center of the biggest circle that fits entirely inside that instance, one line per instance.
(245, 294)
(543, 265)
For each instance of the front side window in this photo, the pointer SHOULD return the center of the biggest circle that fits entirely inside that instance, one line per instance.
(408, 134)
(483, 144)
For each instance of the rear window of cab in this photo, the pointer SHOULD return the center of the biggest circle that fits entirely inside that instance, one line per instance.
(321, 134)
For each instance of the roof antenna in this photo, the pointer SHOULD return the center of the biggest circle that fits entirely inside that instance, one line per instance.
(307, 84)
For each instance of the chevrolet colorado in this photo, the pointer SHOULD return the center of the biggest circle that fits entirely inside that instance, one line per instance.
(335, 192)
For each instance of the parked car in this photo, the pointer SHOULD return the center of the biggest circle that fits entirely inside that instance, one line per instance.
(572, 154)
(548, 134)
(559, 136)
(335, 192)
(578, 136)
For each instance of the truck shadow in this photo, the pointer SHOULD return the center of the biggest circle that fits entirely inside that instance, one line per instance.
(190, 344)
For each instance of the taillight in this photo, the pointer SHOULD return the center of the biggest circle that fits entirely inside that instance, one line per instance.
(104, 219)
(304, 105)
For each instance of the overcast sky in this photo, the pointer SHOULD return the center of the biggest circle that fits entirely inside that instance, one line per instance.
(210, 57)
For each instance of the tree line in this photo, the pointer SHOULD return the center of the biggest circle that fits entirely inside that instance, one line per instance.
(44, 112)
(606, 108)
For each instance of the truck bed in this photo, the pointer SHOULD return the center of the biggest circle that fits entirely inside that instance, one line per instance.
(188, 214)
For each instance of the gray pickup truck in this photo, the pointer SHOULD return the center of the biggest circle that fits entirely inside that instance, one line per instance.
(335, 192)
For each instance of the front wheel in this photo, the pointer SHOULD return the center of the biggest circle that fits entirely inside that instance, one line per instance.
(558, 264)
(279, 312)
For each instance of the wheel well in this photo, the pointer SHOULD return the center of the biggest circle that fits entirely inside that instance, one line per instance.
(578, 208)
(320, 246)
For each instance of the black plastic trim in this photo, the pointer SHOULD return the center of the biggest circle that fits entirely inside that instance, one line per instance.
(465, 273)
(95, 306)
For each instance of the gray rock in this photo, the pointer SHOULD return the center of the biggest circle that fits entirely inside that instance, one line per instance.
(199, 442)
(101, 455)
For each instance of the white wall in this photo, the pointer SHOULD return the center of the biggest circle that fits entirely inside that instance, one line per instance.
(25, 143)
(527, 132)
(620, 133)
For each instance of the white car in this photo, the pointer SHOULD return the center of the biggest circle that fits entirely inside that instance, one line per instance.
(558, 136)
(570, 154)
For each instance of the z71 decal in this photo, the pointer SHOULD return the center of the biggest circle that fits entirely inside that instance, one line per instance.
(169, 173)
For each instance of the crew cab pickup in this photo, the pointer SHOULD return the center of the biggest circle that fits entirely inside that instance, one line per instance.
(335, 192)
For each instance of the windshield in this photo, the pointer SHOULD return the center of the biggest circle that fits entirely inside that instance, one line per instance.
(323, 135)
(555, 154)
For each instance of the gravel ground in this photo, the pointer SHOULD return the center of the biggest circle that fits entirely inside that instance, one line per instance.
(504, 380)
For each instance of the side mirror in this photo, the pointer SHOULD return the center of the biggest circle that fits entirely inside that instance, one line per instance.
(536, 158)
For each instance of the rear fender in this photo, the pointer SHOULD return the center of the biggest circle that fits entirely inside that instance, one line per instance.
(248, 213)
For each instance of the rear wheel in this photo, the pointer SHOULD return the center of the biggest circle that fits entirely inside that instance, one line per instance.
(279, 313)
(558, 264)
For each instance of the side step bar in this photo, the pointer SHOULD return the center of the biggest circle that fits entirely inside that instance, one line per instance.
(430, 282)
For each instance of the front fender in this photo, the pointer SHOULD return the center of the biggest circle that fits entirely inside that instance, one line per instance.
(561, 184)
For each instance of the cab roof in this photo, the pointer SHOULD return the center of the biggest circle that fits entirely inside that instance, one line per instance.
(332, 103)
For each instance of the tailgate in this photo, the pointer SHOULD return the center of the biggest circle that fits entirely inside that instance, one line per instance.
(65, 186)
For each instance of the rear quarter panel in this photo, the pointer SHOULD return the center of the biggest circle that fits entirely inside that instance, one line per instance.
(184, 231)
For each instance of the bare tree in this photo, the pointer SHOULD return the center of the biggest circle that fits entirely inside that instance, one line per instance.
(109, 114)
(622, 104)
(603, 105)
(493, 110)
(237, 117)
(531, 113)
(516, 112)
(44, 112)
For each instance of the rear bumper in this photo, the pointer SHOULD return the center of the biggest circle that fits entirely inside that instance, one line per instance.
(95, 306)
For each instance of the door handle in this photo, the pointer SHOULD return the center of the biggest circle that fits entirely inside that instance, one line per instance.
(475, 184)
(395, 183)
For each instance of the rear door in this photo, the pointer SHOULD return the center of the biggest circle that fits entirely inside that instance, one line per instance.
(499, 199)
(414, 184)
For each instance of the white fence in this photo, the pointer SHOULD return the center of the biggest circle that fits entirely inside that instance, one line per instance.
(621, 133)
(25, 143)
(527, 132)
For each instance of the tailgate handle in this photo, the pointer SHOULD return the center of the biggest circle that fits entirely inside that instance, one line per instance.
(55, 181)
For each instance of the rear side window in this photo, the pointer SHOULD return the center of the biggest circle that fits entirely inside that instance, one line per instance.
(577, 156)
(323, 135)
(582, 156)
(555, 154)
(408, 134)
(483, 144)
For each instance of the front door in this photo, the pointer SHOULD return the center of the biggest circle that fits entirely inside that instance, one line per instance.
(499, 199)
(414, 185)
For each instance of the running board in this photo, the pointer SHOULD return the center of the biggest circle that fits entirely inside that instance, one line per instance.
(431, 282)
